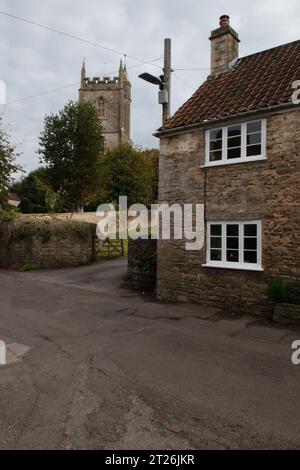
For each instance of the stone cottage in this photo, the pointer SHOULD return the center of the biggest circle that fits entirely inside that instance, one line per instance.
(234, 146)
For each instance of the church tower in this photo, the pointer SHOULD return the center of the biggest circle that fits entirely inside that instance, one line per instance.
(112, 99)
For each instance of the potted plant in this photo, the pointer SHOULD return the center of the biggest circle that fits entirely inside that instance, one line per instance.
(142, 261)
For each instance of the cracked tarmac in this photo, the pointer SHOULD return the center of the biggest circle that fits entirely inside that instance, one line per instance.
(97, 366)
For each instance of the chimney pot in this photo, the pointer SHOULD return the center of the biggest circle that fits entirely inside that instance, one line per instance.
(224, 20)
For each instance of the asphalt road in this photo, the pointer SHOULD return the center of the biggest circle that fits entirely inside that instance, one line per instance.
(92, 365)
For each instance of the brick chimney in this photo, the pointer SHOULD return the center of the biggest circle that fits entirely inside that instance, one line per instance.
(224, 46)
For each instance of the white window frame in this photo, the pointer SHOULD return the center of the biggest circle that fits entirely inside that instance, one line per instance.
(244, 158)
(229, 265)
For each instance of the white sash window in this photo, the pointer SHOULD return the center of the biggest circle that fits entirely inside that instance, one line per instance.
(237, 143)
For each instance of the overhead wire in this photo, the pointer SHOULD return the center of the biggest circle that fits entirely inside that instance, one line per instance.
(70, 85)
(91, 43)
(72, 36)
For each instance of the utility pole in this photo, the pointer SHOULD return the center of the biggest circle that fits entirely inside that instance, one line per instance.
(164, 82)
(167, 80)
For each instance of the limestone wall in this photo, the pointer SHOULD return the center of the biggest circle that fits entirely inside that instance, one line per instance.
(48, 245)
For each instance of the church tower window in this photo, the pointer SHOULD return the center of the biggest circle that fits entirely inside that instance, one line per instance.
(102, 107)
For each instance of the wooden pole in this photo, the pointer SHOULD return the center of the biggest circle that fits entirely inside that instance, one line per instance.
(167, 79)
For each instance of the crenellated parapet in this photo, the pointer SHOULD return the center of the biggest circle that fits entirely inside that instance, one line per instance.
(101, 82)
(111, 97)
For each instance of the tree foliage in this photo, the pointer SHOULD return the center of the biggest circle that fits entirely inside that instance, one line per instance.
(71, 146)
(128, 171)
(36, 194)
(151, 160)
(8, 165)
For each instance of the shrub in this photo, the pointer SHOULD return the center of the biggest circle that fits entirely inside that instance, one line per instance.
(142, 256)
(44, 228)
(280, 293)
(293, 294)
(27, 267)
(276, 291)
(144, 262)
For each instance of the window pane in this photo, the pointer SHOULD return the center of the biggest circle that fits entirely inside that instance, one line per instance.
(232, 256)
(250, 230)
(254, 139)
(215, 255)
(235, 142)
(234, 130)
(216, 230)
(232, 230)
(254, 127)
(233, 242)
(250, 244)
(216, 242)
(215, 156)
(216, 134)
(234, 153)
(250, 257)
(215, 145)
(254, 150)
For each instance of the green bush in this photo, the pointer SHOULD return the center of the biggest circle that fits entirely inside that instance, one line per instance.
(276, 291)
(45, 229)
(28, 230)
(27, 267)
(293, 294)
(144, 262)
(280, 293)
(142, 256)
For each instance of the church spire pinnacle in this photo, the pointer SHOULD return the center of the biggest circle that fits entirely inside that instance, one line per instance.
(83, 71)
(123, 71)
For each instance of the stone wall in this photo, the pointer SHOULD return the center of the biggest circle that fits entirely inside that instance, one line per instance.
(68, 244)
(267, 190)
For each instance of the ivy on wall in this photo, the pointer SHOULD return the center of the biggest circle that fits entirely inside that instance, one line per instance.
(22, 230)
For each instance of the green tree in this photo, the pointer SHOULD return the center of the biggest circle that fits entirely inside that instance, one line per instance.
(8, 165)
(151, 159)
(128, 171)
(36, 194)
(71, 146)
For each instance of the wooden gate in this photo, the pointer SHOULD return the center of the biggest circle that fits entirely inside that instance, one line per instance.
(109, 248)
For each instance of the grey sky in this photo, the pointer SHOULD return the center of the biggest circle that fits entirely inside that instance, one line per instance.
(34, 60)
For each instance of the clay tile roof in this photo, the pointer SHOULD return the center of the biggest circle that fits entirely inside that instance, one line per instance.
(257, 81)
